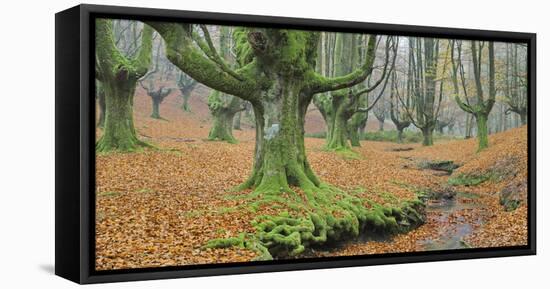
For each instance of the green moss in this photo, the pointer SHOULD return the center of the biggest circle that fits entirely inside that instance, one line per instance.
(346, 153)
(469, 180)
(242, 49)
(226, 243)
(119, 75)
(327, 215)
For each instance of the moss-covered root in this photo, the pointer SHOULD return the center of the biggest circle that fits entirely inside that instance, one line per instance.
(130, 144)
(331, 215)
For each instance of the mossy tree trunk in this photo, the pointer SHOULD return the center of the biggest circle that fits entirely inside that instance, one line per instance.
(101, 102)
(279, 80)
(119, 75)
(155, 108)
(223, 108)
(354, 128)
(186, 94)
(323, 104)
(280, 158)
(400, 134)
(348, 107)
(185, 85)
(157, 97)
(278, 77)
(423, 62)
(358, 121)
(222, 127)
(482, 133)
(342, 111)
(427, 136)
(119, 133)
(237, 120)
(516, 81)
(482, 107)
(440, 126)
(346, 56)
(381, 117)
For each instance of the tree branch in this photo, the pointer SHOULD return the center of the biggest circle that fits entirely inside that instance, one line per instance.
(212, 53)
(182, 53)
(324, 84)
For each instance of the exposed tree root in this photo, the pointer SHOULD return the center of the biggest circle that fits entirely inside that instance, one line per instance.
(131, 144)
(322, 215)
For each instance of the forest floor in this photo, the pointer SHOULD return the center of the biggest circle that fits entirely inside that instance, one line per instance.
(159, 207)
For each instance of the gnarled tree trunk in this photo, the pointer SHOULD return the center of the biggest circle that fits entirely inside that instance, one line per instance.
(223, 109)
(280, 158)
(119, 132)
(119, 76)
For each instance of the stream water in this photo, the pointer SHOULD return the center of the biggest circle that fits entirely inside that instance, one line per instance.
(452, 227)
(446, 216)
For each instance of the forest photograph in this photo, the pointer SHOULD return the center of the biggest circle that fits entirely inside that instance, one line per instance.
(227, 144)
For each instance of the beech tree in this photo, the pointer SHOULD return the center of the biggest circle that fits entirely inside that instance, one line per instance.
(345, 110)
(423, 61)
(223, 107)
(186, 85)
(379, 112)
(147, 82)
(358, 121)
(118, 74)
(397, 114)
(516, 80)
(479, 107)
(279, 79)
(157, 94)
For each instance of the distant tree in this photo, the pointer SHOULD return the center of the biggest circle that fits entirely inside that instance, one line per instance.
(516, 81)
(237, 119)
(345, 110)
(223, 106)
(118, 74)
(157, 93)
(398, 115)
(447, 117)
(186, 85)
(379, 112)
(423, 63)
(479, 107)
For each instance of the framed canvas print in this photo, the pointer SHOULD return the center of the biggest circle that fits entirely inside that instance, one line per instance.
(193, 144)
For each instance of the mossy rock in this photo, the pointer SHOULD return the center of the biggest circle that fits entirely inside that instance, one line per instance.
(469, 180)
(445, 166)
(512, 196)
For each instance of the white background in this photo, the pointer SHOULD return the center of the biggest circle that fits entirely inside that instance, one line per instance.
(27, 144)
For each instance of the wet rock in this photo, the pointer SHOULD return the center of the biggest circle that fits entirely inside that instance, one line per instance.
(446, 194)
(401, 149)
(442, 194)
(445, 166)
(513, 195)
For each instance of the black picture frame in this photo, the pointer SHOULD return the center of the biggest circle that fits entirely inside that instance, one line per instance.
(75, 137)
